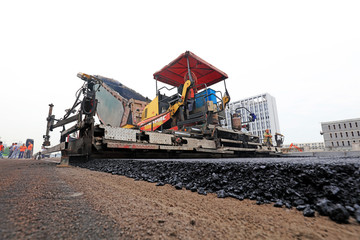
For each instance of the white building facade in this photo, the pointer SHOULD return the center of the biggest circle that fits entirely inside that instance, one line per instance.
(341, 135)
(264, 107)
(309, 147)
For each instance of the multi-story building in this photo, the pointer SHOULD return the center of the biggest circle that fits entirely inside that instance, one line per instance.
(263, 106)
(341, 135)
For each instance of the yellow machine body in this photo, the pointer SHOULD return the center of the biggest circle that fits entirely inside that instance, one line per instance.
(173, 109)
(151, 110)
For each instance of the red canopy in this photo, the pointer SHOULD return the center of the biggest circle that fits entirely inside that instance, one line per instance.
(173, 73)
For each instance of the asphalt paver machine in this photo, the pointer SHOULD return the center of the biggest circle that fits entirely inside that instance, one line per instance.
(184, 120)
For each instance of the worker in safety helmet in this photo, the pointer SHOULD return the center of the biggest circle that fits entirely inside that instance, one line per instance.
(267, 138)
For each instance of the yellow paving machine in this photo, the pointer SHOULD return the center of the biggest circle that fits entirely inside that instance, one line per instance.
(186, 119)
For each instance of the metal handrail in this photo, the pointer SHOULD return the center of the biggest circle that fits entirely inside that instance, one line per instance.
(169, 89)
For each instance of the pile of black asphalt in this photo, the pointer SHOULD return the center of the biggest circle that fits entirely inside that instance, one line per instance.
(326, 185)
(124, 91)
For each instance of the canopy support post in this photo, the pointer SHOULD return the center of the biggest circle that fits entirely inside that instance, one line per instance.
(158, 96)
(226, 91)
(188, 66)
(225, 85)
(156, 82)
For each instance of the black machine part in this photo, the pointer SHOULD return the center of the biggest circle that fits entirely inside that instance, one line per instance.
(88, 106)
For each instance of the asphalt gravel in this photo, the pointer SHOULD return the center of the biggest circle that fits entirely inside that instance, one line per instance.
(39, 200)
(303, 183)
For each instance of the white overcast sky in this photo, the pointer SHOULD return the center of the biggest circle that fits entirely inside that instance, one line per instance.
(304, 53)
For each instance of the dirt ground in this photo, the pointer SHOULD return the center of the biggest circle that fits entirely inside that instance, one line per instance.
(40, 200)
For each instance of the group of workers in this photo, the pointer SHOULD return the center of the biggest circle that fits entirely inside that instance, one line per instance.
(279, 139)
(23, 151)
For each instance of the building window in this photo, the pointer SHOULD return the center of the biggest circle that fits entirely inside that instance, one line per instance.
(352, 133)
(358, 133)
(339, 126)
(332, 143)
(330, 135)
(341, 135)
(347, 135)
(348, 143)
(350, 125)
(337, 143)
(356, 124)
(335, 135)
(343, 143)
(344, 125)
(329, 127)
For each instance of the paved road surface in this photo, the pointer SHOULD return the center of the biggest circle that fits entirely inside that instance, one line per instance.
(40, 201)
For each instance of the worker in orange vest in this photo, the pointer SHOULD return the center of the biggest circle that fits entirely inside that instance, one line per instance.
(22, 151)
(29, 149)
(1, 149)
(267, 138)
